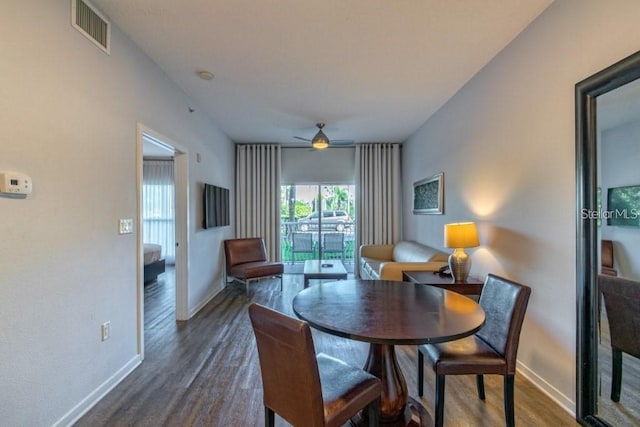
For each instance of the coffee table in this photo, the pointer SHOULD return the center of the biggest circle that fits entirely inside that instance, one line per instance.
(385, 314)
(323, 269)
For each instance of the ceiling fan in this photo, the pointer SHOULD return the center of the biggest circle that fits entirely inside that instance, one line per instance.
(320, 141)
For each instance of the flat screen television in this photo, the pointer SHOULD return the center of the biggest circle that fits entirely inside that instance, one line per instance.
(623, 206)
(216, 206)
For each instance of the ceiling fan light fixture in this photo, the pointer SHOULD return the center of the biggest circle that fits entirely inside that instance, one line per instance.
(320, 141)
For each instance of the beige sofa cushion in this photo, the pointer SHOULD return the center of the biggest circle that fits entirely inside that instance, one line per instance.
(408, 251)
(387, 262)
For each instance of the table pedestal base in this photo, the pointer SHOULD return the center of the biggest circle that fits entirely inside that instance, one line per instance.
(415, 415)
(418, 415)
(396, 407)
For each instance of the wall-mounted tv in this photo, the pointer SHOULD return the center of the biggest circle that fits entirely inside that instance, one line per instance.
(216, 206)
(623, 206)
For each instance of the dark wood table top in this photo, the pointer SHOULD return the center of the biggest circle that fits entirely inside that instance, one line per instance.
(388, 312)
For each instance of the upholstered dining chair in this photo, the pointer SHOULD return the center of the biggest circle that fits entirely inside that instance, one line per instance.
(606, 268)
(492, 350)
(621, 301)
(304, 388)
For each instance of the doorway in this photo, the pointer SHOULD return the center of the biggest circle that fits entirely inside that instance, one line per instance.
(147, 140)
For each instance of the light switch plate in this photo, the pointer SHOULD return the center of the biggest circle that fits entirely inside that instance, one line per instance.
(106, 330)
(126, 226)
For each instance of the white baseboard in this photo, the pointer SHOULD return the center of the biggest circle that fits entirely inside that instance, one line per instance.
(562, 400)
(205, 300)
(94, 397)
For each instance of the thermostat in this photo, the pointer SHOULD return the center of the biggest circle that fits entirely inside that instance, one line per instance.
(15, 183)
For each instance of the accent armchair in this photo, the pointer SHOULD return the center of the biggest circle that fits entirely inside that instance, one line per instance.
(606, 254)
(246, 261)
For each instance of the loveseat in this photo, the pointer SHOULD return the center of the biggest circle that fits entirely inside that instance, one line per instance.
(387, 262)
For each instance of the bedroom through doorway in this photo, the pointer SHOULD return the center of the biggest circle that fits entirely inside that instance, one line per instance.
(162, 234)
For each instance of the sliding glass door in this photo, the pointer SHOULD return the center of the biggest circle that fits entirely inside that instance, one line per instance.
(317, 223)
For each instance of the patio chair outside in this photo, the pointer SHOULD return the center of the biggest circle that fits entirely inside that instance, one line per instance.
(333, 243)
(301, 243)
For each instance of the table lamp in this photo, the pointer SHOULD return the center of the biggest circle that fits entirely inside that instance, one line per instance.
(460, 235)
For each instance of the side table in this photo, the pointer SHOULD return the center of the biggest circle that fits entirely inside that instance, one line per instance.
(473, 285)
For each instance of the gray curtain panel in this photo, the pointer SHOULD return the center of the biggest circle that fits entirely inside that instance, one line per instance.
(378, 194)
(258, 195)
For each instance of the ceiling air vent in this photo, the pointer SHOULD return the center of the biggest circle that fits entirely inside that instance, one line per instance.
(90, 22)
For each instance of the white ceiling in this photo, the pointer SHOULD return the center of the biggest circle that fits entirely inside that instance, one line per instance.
(373, 70)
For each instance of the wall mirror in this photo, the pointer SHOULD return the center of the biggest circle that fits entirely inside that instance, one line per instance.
(607, 156)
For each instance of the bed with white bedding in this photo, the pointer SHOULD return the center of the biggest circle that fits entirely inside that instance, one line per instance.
(153, 262)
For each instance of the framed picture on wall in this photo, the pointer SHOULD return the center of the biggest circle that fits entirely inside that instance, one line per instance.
(623, 206)
(428, 195)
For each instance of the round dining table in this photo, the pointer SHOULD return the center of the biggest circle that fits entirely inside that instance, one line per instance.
(385, 314)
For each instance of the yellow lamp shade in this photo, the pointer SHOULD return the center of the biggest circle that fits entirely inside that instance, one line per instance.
(461, 235)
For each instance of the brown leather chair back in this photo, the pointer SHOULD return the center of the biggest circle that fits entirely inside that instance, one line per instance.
(290, 377)
(622, 299)
(505, 303)
(606, 256)
(607, 253)
(240, 251)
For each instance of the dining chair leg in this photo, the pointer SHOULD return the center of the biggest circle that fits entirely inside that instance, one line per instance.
(439, 421)
(616, 374)
(480, 386)
(420, 373)
(509, 413)
(373, 413)
(269, 417)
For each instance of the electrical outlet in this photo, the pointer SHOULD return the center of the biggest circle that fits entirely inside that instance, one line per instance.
(126, 226)
(106, 330)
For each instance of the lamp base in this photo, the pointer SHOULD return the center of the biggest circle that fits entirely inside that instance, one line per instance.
(460, 265)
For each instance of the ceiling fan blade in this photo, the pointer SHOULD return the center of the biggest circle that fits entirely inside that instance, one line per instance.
(342, 141)
(302, 139)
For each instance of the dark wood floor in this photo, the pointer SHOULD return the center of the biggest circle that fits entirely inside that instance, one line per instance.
(205, 371)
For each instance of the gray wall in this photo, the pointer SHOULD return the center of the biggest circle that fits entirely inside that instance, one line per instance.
(506, 145)
(68, 118)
